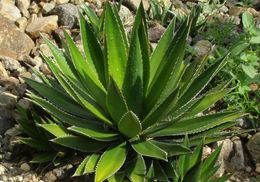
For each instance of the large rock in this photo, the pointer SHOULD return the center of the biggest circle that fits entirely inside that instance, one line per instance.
(155, 32)
(67, 13)
(9, 10)
(253, 147)
(13, 43)
(42, 24)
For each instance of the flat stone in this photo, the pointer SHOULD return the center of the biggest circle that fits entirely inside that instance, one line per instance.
(67, 13)
(253, 147)
(13, 42)
(9, 10)
(42, 24)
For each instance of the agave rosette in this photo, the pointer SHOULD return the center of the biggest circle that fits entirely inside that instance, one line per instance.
(126, 106)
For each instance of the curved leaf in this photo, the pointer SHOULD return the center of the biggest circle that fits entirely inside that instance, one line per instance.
(91, 164)
(92, 48)
(95, 132)
(80, 143)
(136, 169)
(197, 124)
(116, 47)
(80, 169)
(129, 125)
(133, 83)
(56, 130)
(172, 149)
(116, 103)
(146, 148)
(111, 161)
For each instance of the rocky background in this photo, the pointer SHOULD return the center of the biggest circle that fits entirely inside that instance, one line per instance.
(22, 25)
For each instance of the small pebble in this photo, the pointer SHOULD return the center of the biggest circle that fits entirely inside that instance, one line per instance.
(25, 167)
(257, 169)
(19, 178)
(248, 169)
(2, 170)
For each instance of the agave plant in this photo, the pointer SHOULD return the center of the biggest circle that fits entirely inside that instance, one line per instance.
(126, 106)
(192, 166)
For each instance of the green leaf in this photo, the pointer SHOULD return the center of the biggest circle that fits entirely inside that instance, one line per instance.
(159, 172)
(77, 93)
(140, 28)
(247, 20)
(116, 46)
(249, 70)
(206, 101)
(88, 76)
(172, 149)
(117, 177)
(80, 143)
(238, 48)
(133, 83)
(200, 82)
(63, 116)
(80, 169)
(92, 48)
(37, 144)
(111, 161)
(129, 125)
(60, 60)
(116, 103)
(87, 101)
(197, 124)
(171, 68)
(161, 49)
(255, 40)
(96, 132)
(209, 163)
(193, 174)
(146, 148)
(150, 173)
(195, 157)
(93, 18)
(160, 111)
(136, 169)
(92, 163)
(56, 130)
(43, 157)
